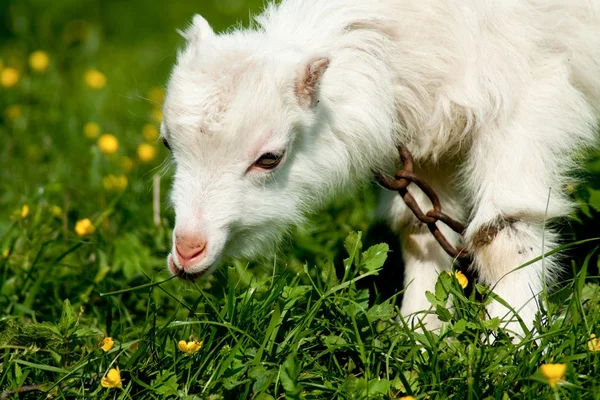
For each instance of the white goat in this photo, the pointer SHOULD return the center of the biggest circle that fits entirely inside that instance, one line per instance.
(492, 98)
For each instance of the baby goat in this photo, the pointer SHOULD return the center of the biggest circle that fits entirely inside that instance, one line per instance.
(492, 98)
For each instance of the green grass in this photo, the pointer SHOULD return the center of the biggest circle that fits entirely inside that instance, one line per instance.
(318, 322)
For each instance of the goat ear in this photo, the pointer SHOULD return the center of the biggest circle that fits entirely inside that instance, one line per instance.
(200, 29)
(308, 79)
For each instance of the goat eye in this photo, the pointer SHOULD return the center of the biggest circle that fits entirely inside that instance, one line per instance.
(164, 140)
(269, 160)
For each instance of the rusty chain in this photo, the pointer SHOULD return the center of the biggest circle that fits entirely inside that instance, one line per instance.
(405, 177)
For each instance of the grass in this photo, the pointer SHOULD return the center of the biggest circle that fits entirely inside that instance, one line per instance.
(318, 322)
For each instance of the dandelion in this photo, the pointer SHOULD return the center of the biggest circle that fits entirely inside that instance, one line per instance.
(39, 61)
(146, 152)
(593, 344)
(189, 347)
(462, 279)
(108, 143)
(84, 227)
(157, 114)
(56, 211)
(94, 79)
(24, 211)
(150, 132)
(115, 183)
(156, 95)
(126, 164)
(107, 343)
(91, 130)
(9, 77)
(13, 112)
(555, 373)
(112, 379)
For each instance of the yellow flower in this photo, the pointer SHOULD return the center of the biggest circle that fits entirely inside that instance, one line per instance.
(407, 398)
(107, 343)
(84, 227)
(13, 112)
(94, 79)
(157, 114)
(24, 211)
(39, 61)
(126, 164)
(9, 77)
(555, 373)
(56, 211)
(462, 279)
(189, 347)
(108, 143)
(91, 130)
(150, 132)
(112, 379)
(156, 95)
(114, 182)
(593, 344)
(146, 152)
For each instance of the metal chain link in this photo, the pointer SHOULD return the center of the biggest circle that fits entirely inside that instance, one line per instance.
(405, 177)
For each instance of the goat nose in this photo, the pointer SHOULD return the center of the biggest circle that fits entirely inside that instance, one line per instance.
(190, 249)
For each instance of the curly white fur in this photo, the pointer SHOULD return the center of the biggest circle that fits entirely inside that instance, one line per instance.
(492, 98)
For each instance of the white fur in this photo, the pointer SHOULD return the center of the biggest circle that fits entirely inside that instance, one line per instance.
(491, 97)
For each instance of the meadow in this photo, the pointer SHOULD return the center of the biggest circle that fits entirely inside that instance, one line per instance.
(90, 311)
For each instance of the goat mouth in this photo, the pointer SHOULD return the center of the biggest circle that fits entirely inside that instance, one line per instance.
(182, 274)
(190, 276)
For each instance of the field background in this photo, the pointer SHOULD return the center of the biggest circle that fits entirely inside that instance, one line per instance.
(316, 322)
